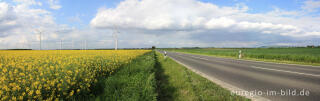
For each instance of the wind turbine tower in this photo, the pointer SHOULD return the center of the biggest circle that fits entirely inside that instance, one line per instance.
(72, 44)
(60, 44)
(40, 33)
(85, 44)
(40, 39)
(115, 37)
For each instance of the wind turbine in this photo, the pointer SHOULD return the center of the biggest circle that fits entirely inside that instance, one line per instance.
(115, 37)
(40, 32)
(61, 44)
(85, 44)
(72, 44)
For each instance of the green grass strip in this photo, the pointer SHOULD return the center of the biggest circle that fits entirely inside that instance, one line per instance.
(177, 83)
(135, 82)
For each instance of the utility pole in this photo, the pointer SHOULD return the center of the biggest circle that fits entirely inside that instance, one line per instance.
(240, 54)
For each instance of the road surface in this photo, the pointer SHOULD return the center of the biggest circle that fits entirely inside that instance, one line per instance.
(267, 80)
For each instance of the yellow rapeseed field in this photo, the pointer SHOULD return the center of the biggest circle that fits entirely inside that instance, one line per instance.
(52, 74)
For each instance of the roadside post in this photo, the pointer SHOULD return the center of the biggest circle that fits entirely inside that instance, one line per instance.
(240, 55)
(165, 54)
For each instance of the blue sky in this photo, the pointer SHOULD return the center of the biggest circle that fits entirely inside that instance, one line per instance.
(84, 9)
(165, 23)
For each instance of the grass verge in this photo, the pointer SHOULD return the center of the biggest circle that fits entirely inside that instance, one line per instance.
(135, 82)
(177, 83)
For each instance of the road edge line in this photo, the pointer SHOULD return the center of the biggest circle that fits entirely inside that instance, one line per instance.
(279, 70)
(221, 83)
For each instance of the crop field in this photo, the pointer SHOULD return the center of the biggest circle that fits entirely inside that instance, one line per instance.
(54, 74)
(301, 55)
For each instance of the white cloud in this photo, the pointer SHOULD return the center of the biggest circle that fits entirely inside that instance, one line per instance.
(219, 23)
(196, 15)
(177, 23)
(164, 23)
(18, 24)
(7, 18)
(19, 21)
(28, 2)
(311, 6)
(54, 4)
(157, 15)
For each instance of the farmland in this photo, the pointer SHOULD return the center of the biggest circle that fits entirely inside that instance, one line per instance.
(310, 56)
(135, 81)
(54, 74)
(101, 75)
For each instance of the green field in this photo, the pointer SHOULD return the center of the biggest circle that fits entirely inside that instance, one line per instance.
(151, 77)
(122, 75)
(135, 82)
(309, 56)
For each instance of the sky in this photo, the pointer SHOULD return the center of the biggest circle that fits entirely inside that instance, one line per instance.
(161, 23)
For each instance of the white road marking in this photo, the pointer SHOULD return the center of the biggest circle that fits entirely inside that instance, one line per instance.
(192, 56)
(199, 58)
(286, 71)
(316, 75)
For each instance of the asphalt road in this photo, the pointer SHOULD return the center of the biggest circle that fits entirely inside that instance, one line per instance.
(268, 80)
